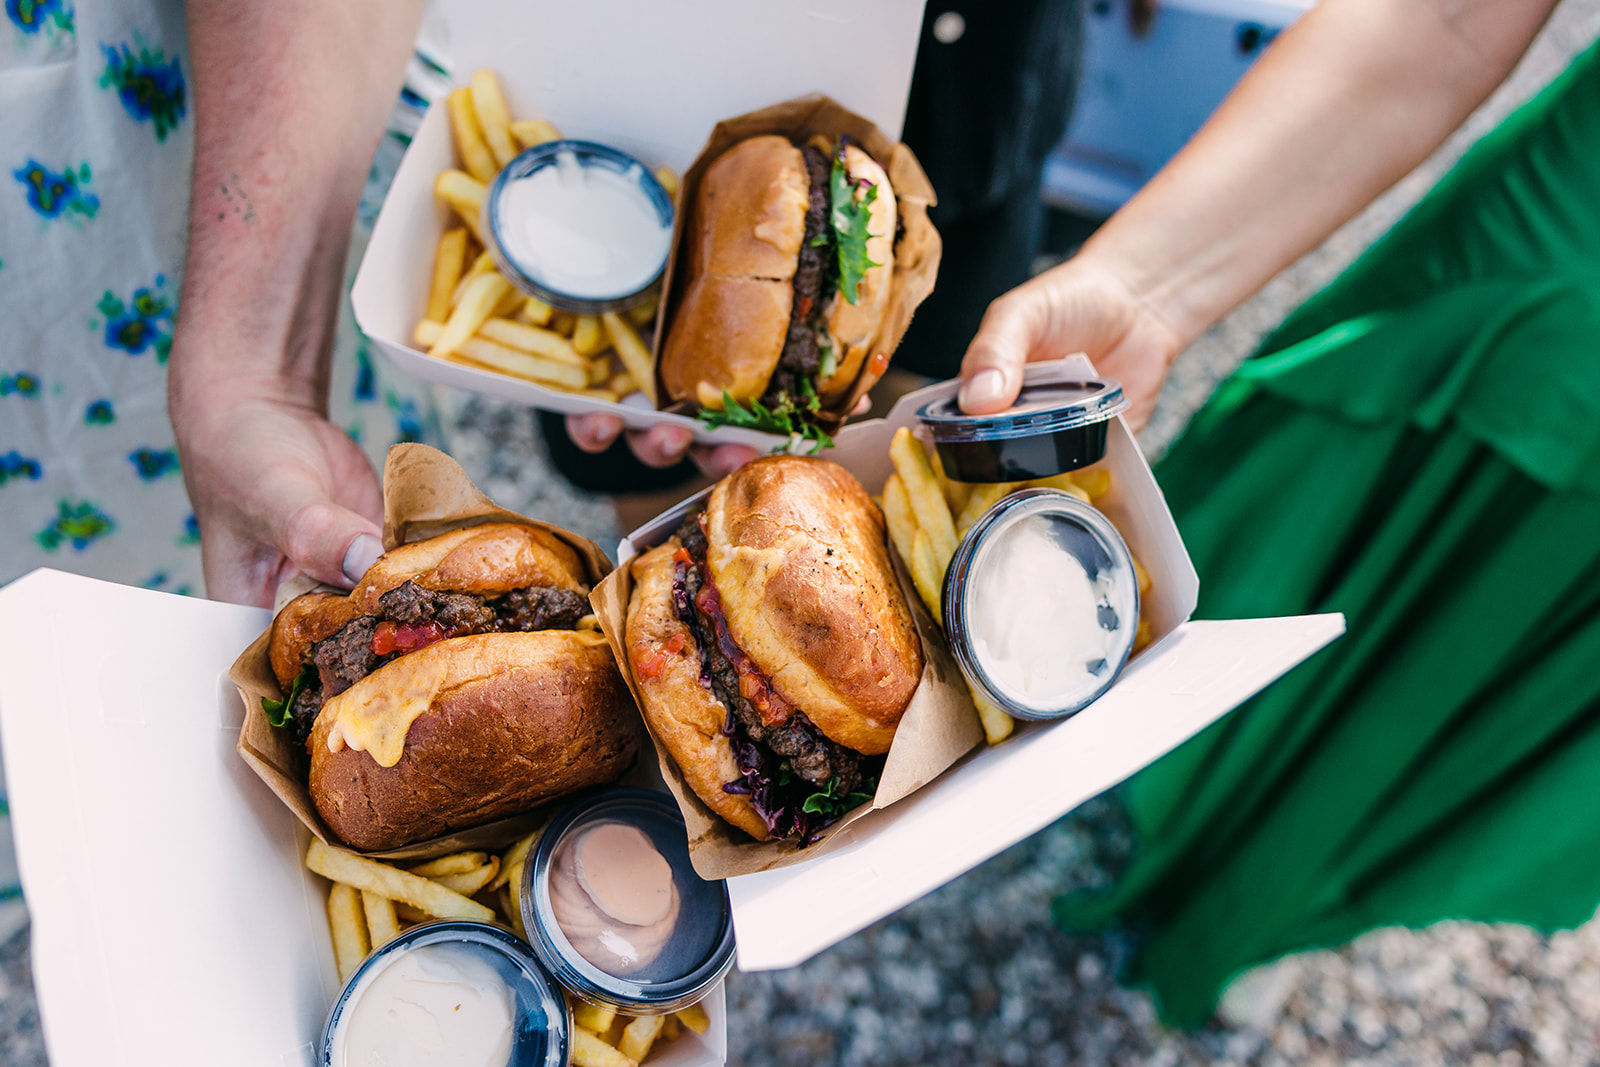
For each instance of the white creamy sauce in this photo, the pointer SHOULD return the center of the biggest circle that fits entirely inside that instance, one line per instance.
(587, 232)
(435, 1005)
(1034, 621)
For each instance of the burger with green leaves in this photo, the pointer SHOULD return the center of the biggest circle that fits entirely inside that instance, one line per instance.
(789, 259)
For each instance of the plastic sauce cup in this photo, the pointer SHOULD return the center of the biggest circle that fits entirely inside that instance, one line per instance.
(1054, 427)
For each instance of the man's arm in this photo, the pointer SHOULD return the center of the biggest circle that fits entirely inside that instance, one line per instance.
(290, 98)
(1344, 104)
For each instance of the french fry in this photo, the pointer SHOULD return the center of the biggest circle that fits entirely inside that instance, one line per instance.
(639, 1035)
(519, 851)
(506, 305)
(997, 725)
(633, 352)
(449, 259)
(562, 322)
(1063, 482)
(493, 116)
(539, 341)
(455, 863)
(695, 1018)
(671, 1028)
(588, 1050)
(640, 314)
(926, 573)
(897, 513)
(513, 910)
(1142, 635)
(587, 337)
(483, 264)
(1143, 577)
(592, 1017)
(407, 914)
(468, 136)
(613, 1033)
(927, 497)
(349, 929)
(338, 865)
(464, 194)
(477, 305)
(955, 493)
(1096, 481)
(599, 393)
(537, 311)
(382, 923)
(599, 372)
(983, 498)
(669, 180)
(521, 364)
(530, 132)
(590, 621)
(469, 882)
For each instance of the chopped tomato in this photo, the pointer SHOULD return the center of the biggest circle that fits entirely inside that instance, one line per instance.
(878, 363)
(677, 642)
(682, 556)
(401, 637)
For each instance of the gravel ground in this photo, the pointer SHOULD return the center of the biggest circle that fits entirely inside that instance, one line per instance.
(976, 973)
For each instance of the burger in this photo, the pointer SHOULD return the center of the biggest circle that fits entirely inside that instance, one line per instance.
(458, 683)
(790, 258)
(772, 650)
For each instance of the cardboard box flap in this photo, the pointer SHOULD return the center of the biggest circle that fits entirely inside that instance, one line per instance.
(654, 78)
(173, 921)
(1000, 795)
(171, 917)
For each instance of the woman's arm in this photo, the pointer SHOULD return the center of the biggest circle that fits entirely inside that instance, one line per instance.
(290, 98)
(1344, 104)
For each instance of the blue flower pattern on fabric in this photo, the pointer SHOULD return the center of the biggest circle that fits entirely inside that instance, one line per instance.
(150, 86)
(35, 17)
(162, 581)
(366, 386)
(407, 420)
(191, 530)
(54, 194)
(14, 465)
(99, 413)
(142, 323)
(80, 524)
(21, 383)
(152, 463)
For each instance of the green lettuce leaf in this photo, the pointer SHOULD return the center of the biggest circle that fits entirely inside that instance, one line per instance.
(849, 219)
(787, 417)
(278, 711)
(831, 804)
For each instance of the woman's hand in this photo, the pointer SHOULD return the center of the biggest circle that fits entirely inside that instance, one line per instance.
(659, 446)
(276, 488)
(1079, 306)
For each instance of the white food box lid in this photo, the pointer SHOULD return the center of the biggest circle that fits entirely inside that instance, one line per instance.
(173, 921)
(1193, 674)
(651, 79)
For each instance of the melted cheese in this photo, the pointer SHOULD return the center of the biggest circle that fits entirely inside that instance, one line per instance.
(375, 715)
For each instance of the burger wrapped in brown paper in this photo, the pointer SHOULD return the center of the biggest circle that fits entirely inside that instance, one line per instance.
(461, 682)
(802, 250)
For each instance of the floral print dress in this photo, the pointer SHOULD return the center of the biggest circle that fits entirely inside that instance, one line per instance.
(96, 138)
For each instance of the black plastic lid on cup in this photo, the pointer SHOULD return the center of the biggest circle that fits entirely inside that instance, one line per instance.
(1054, 427)
(700, 948)
(542, 1026)
(587, 154)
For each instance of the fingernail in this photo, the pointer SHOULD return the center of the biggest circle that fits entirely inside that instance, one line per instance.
(983, 391)
(669, 440)
(362, 554)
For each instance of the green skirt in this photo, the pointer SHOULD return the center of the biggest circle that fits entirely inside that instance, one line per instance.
(1419, 448)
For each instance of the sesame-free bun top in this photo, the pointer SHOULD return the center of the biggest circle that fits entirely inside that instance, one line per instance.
(798, 557)
(488, 560)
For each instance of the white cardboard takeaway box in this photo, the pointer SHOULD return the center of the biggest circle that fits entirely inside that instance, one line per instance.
(650, 78)
(172, 920)
(1194, 673)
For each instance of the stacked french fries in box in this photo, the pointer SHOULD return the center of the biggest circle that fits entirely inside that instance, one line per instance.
(928, 513)
(477, 317)
(370, 903)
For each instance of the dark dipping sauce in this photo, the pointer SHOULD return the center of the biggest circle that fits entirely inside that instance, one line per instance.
(1052, 428)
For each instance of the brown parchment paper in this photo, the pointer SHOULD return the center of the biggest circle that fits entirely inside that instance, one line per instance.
(939, 727)
(916, 253)
(425, 493)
